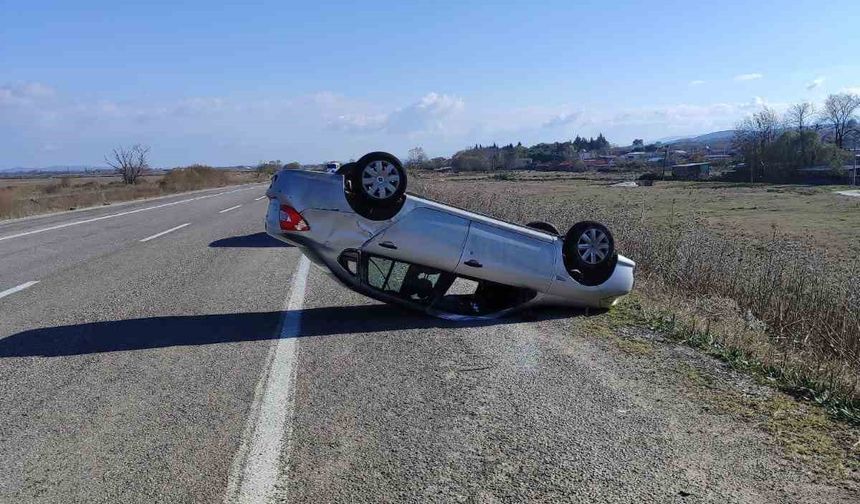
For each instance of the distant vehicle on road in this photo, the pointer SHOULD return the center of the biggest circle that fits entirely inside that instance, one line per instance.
(332, 167)
(368, 233)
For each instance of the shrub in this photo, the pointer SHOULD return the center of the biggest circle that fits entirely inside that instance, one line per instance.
(193, 177)
(52, 188)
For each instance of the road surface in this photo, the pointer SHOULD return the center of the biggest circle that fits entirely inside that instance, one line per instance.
(168, 351)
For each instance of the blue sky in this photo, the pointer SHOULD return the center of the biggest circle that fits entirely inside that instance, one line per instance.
(310, 81)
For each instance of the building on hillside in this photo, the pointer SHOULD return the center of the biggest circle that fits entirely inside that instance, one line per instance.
(691, 171)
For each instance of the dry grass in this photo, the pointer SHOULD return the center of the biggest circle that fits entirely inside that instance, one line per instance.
(22, 197)
(771, 301)
(193, 177)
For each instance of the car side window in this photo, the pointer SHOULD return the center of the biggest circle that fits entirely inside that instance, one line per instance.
(409, 281)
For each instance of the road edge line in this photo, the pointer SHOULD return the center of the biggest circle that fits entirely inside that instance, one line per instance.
(112, 216)
(115, 204)
(254, 472)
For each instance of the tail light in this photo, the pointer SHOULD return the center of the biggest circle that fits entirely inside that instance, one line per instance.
(291, 220)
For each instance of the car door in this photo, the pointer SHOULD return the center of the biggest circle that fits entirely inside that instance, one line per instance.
(508, 256)
(425, 237)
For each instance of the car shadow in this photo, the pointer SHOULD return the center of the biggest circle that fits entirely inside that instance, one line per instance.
(192, 330)
(256, 240)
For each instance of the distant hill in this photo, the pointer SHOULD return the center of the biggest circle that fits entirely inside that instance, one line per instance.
(715, 140)
(56, 168)
(713, 137)
(716, 136)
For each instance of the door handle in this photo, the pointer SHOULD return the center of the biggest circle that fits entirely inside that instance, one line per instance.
(388, 245)
(473, 263)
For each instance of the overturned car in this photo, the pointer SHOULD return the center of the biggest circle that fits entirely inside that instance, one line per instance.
(368, 233)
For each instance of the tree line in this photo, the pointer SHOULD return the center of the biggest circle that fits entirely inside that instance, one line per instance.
(774, 146)
(494, 157)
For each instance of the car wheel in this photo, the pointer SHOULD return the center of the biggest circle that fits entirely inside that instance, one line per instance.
(378, 178)
(543, 226)
(589, 253)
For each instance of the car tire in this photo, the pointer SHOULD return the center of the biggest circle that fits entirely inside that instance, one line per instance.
(543, 226)
(378, 179)
(589, 253)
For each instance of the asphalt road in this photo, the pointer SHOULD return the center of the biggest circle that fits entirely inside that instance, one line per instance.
(208, 364)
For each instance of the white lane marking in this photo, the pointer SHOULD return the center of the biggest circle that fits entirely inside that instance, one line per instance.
(266, 439)
(228, 209)
(156, 235)
(18, 288)
(261, 197)
(111, 216)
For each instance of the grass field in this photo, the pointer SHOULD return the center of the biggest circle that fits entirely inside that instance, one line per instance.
(20, 197)
(763, 276)
(813, 215)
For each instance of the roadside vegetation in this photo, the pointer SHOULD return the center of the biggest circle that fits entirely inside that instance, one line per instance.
(132, 179)
(30, 196)
(749, 261)
(783, 305)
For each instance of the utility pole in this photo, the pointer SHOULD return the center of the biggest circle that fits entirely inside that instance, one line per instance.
(665, 161)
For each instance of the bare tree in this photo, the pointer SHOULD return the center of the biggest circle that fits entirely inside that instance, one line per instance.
(129, 162)
(417, 157)
(800, 117)
(839, 112)
(754, 135)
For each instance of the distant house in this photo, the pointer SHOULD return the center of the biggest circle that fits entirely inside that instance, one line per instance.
(691, 171)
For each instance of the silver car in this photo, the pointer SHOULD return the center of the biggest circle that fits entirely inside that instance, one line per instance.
(361, 226)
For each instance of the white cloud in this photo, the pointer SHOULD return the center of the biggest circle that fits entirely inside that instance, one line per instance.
(41, 127)
(563, 119)
(696, 82)
(852, 90)
(429, 114)
(748, 77)
(24, 93)
(815, 83)
(359, 123)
